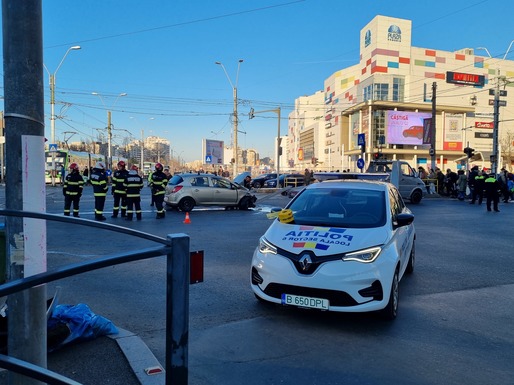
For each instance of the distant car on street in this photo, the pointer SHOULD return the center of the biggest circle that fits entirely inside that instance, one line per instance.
(185, 191)
(258, 181)
(286, 180)
(339, 245)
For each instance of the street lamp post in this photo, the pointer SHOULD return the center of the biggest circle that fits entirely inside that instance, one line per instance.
(52, 104)
(235, 121)
(109, 126)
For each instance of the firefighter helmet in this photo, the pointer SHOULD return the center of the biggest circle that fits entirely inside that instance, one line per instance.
(74, 166)
(134, 167)
(100, 165)
(158, 166)
(121, 164)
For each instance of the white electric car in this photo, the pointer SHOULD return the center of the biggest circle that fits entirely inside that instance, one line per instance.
(338, 246)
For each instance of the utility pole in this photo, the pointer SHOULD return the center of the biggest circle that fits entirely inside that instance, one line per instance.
(433, 128)
(109, 141)
(24, 128)
(279, 139)
(496, 115)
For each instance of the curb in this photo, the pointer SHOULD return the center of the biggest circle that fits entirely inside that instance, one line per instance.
(144, 364)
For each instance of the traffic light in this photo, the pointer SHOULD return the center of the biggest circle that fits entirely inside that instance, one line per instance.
(314, 161)
(469, 151)
(376, 155)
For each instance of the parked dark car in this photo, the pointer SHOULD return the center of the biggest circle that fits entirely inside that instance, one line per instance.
(258, 181)
(286, 180)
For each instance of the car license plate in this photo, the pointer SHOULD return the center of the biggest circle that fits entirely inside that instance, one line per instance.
(302, 301)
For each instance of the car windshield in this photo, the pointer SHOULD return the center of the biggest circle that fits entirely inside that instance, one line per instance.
(353, 208)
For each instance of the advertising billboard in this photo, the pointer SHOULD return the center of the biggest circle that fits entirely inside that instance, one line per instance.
(405, 127)
(213, 151)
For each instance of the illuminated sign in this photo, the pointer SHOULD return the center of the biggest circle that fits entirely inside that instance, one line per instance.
(484, 124)
(467, 79)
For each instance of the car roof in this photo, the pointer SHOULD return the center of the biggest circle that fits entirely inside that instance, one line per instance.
(360, 184)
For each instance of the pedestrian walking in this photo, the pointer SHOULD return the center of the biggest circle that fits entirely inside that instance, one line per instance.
(133, 184)
(159, 182)
(149, 184)
(100, 188)
(478, 188)
(118, 190)
(461, 185)
(72, 190)
(491, 192)
(306, 177)
(503, 180)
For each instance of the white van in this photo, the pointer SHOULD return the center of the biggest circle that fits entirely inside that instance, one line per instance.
(397, 172)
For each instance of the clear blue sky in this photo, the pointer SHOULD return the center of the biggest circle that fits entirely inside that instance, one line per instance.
(162, 54)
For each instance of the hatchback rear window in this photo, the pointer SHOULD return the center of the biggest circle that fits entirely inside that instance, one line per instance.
(177, 179)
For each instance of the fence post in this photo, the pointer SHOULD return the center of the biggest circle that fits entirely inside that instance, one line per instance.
(177, 310)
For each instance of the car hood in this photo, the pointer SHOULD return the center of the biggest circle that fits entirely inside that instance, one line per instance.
(241, 177)
(324, 240)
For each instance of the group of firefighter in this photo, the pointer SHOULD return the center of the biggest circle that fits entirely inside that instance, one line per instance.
(125, 188)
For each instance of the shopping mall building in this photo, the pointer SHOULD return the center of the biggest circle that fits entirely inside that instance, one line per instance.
(383, 106)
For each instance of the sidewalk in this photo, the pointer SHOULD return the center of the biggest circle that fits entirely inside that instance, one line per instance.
(115, 360)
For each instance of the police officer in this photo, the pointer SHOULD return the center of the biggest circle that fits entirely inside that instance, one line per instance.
(100, 188)
(158, 184)
(72, 190)
(133, 184)
(491, 192)
(118, 190)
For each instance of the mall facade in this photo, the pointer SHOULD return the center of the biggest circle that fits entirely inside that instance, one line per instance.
(382, 107)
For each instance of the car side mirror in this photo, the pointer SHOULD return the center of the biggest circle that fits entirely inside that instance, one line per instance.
(403, 219)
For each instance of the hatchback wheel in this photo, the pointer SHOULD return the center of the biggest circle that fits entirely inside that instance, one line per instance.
(416, 196)
(187, 204)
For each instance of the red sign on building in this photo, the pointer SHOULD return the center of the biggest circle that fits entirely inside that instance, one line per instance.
(484, 124)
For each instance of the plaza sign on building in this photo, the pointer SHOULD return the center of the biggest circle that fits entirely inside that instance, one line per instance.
(466, 79)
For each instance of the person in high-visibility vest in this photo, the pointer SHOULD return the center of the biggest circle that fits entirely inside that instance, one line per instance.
(133, 184)
(492, 187)
(100, 188)
(72, 190)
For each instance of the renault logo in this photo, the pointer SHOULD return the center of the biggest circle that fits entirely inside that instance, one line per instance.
(305, 262)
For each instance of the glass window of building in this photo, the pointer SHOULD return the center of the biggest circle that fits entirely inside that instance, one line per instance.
(398, 89)
(381, 91)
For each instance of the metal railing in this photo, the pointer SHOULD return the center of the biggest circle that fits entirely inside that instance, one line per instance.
(176, 249)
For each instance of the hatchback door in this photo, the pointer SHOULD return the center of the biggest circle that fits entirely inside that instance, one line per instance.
(224, 192)
(201, 191)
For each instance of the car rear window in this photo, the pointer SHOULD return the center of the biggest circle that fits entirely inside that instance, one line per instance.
(177, 179)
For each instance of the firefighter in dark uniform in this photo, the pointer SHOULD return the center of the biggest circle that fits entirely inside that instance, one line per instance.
(118, 190)
(72, 190)
(491, 192)
(133, 184)
(158, 184)
(99, 182)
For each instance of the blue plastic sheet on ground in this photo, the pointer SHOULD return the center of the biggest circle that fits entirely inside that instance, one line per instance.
(82, 323)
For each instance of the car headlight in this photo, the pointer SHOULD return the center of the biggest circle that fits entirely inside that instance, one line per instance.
(266, 247)
(364, 256)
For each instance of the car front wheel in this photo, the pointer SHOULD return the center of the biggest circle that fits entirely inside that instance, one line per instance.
(412, 260)
(416, 196)
(391, 310)
(257, 185)
(187, 204)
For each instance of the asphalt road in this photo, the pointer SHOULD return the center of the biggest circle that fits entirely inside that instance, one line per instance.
(455, 316)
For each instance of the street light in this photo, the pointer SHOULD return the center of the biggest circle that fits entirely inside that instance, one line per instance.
(109, 126)
(234, 92)
(496, 113)
(52, 104)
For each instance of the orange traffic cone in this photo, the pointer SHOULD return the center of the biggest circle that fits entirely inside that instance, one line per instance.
(187, 220)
